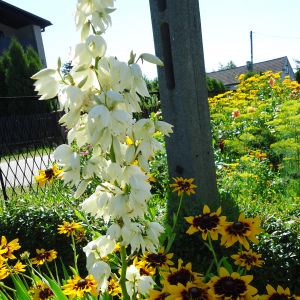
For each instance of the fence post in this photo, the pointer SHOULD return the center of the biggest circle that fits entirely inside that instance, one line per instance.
(3, 186)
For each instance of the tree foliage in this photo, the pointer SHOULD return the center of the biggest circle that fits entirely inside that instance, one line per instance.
(230, 65)
(17, 66)
(214, 86)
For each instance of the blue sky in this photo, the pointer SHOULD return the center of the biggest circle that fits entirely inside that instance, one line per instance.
(226, 27)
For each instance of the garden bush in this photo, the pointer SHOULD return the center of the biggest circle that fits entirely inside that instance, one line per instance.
(33, 218)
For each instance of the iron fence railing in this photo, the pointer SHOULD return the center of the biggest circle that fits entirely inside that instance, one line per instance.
(27, 142)
(26, 146)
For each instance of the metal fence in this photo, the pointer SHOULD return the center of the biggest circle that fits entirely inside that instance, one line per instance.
(27, 139)
(26, 146)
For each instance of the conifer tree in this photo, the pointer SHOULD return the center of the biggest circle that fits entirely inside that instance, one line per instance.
(16, 73)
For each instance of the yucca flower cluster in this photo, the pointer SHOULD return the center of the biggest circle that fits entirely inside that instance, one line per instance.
(99, 97)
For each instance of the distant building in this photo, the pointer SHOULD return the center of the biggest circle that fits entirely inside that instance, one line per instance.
(24, 26)
(230, 77)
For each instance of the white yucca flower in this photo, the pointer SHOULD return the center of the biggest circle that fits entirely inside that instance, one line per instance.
(136, 282)
(47, 83)
(70, 162)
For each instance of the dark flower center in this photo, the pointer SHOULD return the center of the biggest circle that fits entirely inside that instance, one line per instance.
(162, 296)
(45, 293)
(280, 297)
(156, 259)
(238, 228)
(230, 287)
(206, 222)
(49, 173)
(194, 293)
(81, 283)
(249, 259)
(182, 276)
(185, 185)
(44, 255)
(145, 271)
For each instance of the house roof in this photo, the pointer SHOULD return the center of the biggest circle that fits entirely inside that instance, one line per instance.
(229, 77)
(16, 17)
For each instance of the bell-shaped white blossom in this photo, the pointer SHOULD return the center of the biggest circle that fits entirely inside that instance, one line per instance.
(136, 283)
(101, 272)
(102, 246)
(95, 10)
(163, 127)
(84, 76)
(114, 231)
(139, 83)
(47, 83)
(70, 161)
(151, 59)
(81, 188)
(96, 45)
(103, 124)
(97, 204)
(143, 131)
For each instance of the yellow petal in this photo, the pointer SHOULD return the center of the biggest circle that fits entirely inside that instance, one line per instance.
(189, 219)
(191, 230)
(270, 289)
(206, 209)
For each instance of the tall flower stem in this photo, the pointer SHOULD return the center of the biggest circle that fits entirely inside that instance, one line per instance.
(3, 287)
(74, 253)
(177, 213)
(212, 250)
(123, 273)
(171, 234)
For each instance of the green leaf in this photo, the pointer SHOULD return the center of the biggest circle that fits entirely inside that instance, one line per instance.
(21, 291)
(105, 296)
(56, 289)
(226, 264)
(3, 297)
(66, 274)
(79, 215)
(170, 242)
(73, 270)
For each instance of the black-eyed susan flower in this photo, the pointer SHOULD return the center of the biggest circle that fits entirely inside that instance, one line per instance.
(48, 175)
(69, 228)
(41, 291)
(279, 294)
(159, 259)
(207, 223)
(241, 231)
(18, 268)
(191, 291)
(182, 185)
(44, 256)
(113, 287)
(79, 234)
(182, 274)
(4, 272)
(143, 267)
(158, 295)
(78, 287)
(247, 259)
(7, 248)
(231, 286)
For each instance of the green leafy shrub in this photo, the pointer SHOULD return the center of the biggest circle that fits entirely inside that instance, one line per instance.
(280, 248)
(34, 218)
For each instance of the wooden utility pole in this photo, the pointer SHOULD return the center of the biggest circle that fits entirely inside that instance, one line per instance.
(183, 94)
